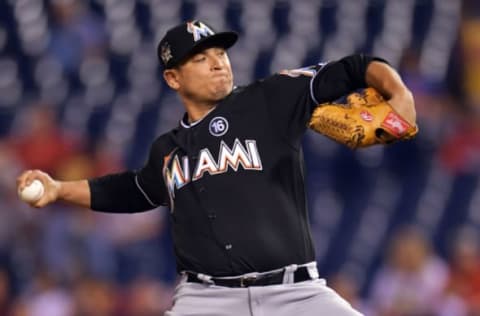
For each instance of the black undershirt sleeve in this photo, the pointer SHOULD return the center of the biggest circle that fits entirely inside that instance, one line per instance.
(118, 193)
(338, 78)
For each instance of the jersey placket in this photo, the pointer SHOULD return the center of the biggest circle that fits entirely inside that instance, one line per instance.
(201, 190)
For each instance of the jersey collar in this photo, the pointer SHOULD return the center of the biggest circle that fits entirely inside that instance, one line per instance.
(184, 121)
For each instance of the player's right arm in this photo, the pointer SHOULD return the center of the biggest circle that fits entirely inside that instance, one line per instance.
(124, 192)
(113, 193)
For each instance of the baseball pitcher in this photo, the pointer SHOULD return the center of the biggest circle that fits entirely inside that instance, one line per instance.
(231, 172)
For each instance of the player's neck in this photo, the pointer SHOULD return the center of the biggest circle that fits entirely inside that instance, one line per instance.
(198, 111)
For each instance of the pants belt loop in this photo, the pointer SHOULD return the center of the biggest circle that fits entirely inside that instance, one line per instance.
(312, 270)
(288, 275)
(205, 278)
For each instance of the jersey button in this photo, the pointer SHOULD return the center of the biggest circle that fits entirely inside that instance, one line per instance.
(201, 189)
(212, 215)
(228, 246)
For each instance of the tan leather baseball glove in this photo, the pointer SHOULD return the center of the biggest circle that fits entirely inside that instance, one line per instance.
(365, 119)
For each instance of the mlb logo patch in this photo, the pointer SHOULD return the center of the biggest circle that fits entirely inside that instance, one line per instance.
(305, 71)
(395, 124)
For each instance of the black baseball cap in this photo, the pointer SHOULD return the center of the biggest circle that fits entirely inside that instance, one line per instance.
(188, 38)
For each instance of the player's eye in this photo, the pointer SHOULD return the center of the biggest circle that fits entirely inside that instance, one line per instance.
(199, 58)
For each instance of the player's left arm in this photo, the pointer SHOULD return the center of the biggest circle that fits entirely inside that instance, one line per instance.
(381, 114)
(388, 82)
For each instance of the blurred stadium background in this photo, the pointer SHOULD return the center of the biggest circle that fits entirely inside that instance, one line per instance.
(396, 227)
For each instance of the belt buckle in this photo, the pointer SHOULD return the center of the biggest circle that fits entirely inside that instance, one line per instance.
(245, 281)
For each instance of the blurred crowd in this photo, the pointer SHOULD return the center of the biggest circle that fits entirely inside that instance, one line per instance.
(400, 240)
(63, 260)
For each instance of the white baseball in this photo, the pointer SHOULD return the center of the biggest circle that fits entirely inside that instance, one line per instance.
(32, 192)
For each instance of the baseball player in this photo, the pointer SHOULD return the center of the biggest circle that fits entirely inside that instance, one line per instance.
(232, 176)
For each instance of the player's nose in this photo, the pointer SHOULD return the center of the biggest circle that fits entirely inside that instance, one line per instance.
(217, 63)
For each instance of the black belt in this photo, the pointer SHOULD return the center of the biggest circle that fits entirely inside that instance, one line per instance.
(299, 275)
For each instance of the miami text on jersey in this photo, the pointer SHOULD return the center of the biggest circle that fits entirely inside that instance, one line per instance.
(176, 170)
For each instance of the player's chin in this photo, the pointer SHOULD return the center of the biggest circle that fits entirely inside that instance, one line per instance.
(221, 91)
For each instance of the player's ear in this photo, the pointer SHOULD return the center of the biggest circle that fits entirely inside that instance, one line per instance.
(171, 78)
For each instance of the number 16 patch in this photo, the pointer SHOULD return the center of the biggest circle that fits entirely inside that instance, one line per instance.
(218, 126)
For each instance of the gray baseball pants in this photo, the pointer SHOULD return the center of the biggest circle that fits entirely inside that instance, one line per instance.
(311, 297)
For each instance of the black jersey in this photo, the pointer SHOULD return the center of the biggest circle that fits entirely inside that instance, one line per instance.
(234, 180)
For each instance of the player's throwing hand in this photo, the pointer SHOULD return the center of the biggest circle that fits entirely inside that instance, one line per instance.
(50, 186)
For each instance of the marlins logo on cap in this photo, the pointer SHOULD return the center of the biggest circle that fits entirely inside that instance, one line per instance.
(198, 29)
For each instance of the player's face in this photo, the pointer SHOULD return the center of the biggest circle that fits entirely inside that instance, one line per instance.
(205, 77)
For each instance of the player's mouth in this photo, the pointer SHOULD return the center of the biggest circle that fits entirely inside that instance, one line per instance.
(221, 76)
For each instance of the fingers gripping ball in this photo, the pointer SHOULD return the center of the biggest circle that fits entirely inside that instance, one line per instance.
(365, 119)
(32, 192)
